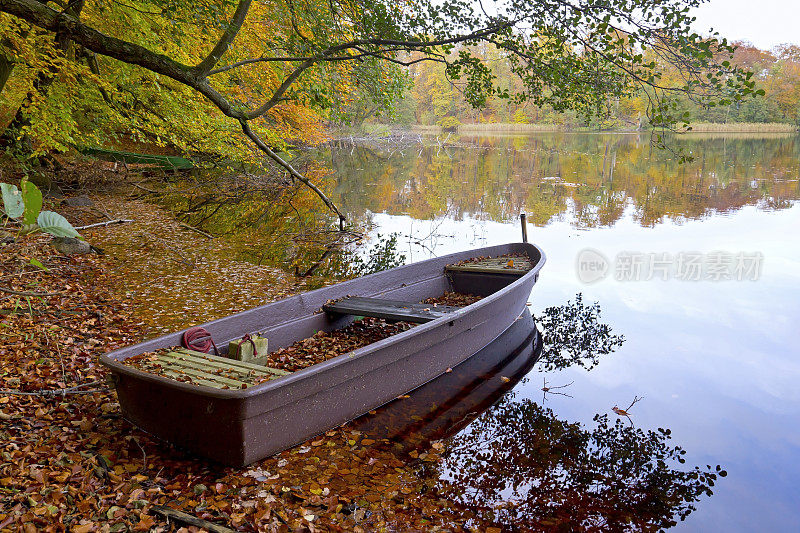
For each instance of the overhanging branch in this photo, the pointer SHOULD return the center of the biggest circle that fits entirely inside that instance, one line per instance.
(289, 168)
(203, 68)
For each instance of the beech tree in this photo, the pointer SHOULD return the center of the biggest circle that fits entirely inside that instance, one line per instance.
(251, 60)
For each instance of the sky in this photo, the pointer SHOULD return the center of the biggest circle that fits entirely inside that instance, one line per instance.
(765, 23)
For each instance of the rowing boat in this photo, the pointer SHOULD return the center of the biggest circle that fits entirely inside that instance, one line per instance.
(239, 425)
(446, 405)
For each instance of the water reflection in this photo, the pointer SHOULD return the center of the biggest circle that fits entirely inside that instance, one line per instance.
(449, 403)
(548, 474)
(575, 335)
(512, 463)
(592, 178)
(589, 180)
(264, 222)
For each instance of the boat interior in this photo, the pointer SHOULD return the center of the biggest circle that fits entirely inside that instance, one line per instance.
(254, 353)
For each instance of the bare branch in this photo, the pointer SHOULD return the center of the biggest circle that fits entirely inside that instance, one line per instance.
(295, 174)
(24, 293)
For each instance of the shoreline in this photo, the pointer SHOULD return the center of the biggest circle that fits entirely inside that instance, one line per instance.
(505, 128)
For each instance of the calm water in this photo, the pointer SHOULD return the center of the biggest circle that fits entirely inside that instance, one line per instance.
(716, 361)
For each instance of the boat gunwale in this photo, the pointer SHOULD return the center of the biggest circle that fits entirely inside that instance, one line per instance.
(117, 365)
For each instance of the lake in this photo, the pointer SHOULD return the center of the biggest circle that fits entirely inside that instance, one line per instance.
(701, 275)
(696, 264)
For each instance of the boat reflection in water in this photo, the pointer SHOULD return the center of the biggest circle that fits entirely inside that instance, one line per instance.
(447, 404)
(511, 463)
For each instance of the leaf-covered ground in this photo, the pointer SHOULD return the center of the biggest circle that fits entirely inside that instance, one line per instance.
(70, 462)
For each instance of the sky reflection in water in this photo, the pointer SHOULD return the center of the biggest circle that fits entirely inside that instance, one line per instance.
(717, 362)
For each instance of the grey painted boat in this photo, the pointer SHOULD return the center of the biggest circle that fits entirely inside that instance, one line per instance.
(238, 427)
(446, 405)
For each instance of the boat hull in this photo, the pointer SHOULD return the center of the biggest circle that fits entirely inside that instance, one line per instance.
(444, 406)
(238, 427)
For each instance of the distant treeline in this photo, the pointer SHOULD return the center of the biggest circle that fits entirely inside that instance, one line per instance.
(433, 100)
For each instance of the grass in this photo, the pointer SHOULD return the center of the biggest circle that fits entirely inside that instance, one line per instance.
(512, 128)
(419, 128)
(744, 127)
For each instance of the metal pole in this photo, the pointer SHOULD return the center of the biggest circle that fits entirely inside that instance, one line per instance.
(524, 227)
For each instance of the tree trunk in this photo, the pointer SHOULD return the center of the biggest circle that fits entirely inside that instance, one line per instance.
(6, 66)
(10, 137)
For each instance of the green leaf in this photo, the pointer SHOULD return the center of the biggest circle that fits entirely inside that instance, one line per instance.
(32, 197)
(56, 225)
(38, 264)
(12, 200)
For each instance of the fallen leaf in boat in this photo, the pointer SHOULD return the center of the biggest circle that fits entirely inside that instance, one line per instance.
(505, 379)
(510, 263)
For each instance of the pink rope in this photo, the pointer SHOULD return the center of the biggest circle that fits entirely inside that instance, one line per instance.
(199, 339)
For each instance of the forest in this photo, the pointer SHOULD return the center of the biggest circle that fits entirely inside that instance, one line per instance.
(238, 82)
(429, 98)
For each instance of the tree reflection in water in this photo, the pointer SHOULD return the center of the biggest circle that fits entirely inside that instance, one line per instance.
(548, 474)
(575, 335)
(519, 467)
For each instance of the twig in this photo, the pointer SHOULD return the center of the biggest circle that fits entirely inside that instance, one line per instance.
(144, 454)
(60, 358)
(23, 293)
(151, 191)
(196, 230)
(546, 389)
(56, 392)
(624, 412)
(185, 518)
(99, 224)
(635, 399)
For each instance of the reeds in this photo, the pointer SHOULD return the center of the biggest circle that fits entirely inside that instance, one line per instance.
(743, 127)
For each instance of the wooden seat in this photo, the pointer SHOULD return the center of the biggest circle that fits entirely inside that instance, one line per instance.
(388, 309)
(494, 265)
(210, 370)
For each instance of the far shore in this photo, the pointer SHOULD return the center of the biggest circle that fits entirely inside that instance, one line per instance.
(507, 128)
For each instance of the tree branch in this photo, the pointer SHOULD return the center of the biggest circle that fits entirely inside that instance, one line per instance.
(203, 68)
(289, 168)
(24, 293)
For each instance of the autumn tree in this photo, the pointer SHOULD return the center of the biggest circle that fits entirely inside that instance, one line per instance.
(252, 61)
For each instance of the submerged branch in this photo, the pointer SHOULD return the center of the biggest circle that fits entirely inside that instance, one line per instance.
(294, 173)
